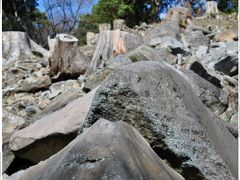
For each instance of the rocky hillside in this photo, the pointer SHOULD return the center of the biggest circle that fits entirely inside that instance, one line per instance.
(156, 101)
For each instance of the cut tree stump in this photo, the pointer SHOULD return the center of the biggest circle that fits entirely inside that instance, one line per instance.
(91, 38)
(211, 8)
(17, 45)
(65, 58)
(104, 27)
(112, 43)
(119, 24)
(179, 16)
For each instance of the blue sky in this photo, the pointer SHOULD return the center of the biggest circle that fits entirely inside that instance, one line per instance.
(86, 10)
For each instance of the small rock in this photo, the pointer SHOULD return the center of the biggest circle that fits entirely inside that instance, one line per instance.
(226, 36)
(202, 50)
(194, 39)
(32, 109)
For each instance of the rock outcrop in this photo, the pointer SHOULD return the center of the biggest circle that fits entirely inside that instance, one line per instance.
(107, 150)
(156, 101)
(170, 26)
(10, 123)
(160, 103)
(52, 132)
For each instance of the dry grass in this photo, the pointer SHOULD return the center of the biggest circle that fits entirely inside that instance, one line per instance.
(225, 22)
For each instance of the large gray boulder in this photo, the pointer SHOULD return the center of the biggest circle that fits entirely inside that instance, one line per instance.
(160, 103)
(170, 26)
(33, 82)
(107, 150)
(52, 132)
(222, 57)
(97, 77)
(21, 57)
(166, 29)
(194, 39)
(10, 123)
(212, 96)
(145, 53)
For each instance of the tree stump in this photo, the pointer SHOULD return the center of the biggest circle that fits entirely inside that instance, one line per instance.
(179, 16)
(104, 27)
(17, 45)
(119, 24)
(91, 38)
(211, 8)
(112, 43)
(65, 57)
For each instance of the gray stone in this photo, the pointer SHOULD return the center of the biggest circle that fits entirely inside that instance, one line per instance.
(31, 83)
(228, 65)
(234, 118)
(10, 123)
(194, 39)
(222, 57)
(202, 50)
(32, 110)
(52, 132)
(199, 69)
(167, 29)
(63, 87)
(107, 150)
(57, 103)
(159, 102)
(176, 46)
(143, 53)
(212, 96)
(166, 55)
(99, 76)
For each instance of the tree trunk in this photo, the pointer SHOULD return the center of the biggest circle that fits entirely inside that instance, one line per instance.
(65, 57)
(17, 45)
(119, 24)
(91, 38)
(104, 27)
(211, 8)
(178, 15)
(112, 43)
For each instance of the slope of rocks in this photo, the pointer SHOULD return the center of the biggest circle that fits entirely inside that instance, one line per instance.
(107, 150)
(156, 101)
(160, 103)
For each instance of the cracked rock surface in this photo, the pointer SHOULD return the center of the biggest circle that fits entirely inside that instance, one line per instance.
(160, 103)
(107, 150)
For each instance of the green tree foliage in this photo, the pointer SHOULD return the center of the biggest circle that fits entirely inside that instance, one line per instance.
(18, 14)
(228, 6)
(105, 11)
(131, 10)
(108, 10)
(22, 15)
(87, 23)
